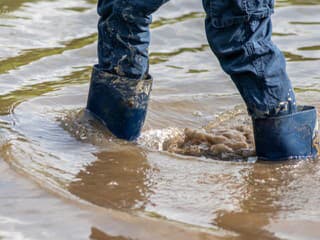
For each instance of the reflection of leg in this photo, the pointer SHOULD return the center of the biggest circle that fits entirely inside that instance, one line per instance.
(120, 84)
(117, 179)
(260, 202)
(239, 33)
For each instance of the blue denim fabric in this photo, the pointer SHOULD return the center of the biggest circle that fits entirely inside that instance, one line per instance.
(238, 31)
(124, 36)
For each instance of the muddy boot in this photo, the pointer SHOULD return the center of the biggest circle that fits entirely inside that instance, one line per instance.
(120, 103)
(292, 136)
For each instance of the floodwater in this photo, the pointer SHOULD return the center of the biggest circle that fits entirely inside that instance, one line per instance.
(64, 177)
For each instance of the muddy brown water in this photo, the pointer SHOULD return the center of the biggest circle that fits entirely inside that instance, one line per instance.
(192, 174)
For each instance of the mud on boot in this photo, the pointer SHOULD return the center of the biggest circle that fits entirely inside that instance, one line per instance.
(120, 103)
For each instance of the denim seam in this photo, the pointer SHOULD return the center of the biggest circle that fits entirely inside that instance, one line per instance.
(244, 5)
(246, 16)
(272, 104)
(220, 22)
(269, 4)
(258, 61)
(211, 8)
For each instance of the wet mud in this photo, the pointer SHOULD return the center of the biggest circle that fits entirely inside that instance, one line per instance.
(229, 137)
(223, 141)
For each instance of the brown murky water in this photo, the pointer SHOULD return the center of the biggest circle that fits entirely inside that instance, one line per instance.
(64, 177)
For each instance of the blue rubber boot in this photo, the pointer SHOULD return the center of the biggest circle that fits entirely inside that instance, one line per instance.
(120, 103)
(293, 136)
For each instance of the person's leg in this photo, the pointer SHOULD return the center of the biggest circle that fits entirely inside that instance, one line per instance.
(239, 33)
(120, 84)
(124, 36)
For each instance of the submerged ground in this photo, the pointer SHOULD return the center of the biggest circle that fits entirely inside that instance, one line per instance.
(64, 177)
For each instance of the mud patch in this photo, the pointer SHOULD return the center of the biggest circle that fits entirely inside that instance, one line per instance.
(228, 137)
(222, 144)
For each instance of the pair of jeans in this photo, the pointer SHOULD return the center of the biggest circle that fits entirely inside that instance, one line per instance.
(239, 34)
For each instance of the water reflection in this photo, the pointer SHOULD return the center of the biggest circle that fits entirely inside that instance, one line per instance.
(32, 55)
(11, 6)
(249, 222)
(291, 57)
(266, 187)
(117, 179)
(297, 2)
(97, 234)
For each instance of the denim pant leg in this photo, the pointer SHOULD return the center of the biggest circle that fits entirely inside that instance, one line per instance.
(124, 36)
(239, 33)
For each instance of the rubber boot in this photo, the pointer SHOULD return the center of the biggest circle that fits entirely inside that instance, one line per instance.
(293, 136)
(120, 103)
